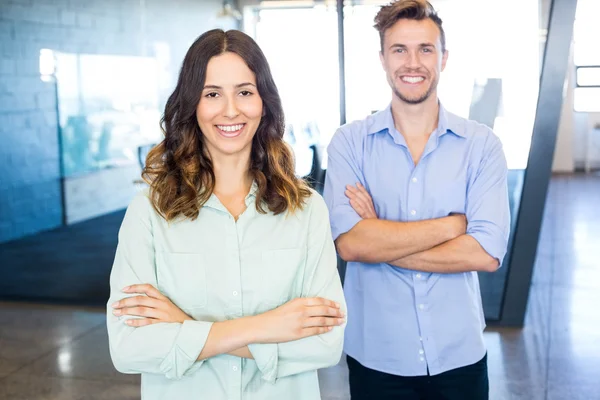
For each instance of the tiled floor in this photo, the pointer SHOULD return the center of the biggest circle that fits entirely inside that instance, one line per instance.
(60, 353)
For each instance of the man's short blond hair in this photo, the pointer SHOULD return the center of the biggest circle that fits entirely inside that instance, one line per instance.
(407, 9)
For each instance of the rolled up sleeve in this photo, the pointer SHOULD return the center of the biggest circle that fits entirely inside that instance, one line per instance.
(488, 212)
(342, 169)
(266, 356)
(170, 349)
(321, 280)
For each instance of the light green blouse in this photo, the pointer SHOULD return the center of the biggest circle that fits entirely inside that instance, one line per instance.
(217, 269)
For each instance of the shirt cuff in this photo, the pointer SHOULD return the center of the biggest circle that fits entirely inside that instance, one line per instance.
(182, 359)
(491, 243)
(266, 356)
(342, 222)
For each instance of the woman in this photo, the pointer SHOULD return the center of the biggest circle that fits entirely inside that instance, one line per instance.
(224, 284)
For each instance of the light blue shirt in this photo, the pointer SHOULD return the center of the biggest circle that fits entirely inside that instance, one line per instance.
(408, 322)
(216, 269)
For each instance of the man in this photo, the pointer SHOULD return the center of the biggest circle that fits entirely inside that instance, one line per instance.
(418, 205)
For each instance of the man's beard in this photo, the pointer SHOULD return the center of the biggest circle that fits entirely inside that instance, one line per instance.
(417, 100)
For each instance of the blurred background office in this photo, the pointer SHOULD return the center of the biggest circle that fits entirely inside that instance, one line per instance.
(82, 87)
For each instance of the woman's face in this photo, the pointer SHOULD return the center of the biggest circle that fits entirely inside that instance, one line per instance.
(230, 108)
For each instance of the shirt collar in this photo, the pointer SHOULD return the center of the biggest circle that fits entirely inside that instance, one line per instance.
(383, 121)
(251, 196)
(214, 202)
(450, 123)
(253, 189)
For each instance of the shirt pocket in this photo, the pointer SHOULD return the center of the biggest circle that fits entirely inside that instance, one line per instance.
(282, 276)
(444, 197)
(445, 191)
(182, 278)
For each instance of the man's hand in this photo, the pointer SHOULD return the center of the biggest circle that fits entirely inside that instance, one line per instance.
(361, 201)
(154, 307)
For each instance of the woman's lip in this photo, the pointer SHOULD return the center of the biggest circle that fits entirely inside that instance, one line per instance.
(230, 134)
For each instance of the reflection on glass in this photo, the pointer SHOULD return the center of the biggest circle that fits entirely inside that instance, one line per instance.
(108, 107)
(47, 66)
(301, 43)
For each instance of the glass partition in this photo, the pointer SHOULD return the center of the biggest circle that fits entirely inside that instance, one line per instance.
(300, 40)
(492, 76)
(108, 108)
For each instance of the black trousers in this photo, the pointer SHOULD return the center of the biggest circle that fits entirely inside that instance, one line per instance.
(466, 383)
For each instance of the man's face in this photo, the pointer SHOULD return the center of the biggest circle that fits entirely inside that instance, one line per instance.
(413, 59)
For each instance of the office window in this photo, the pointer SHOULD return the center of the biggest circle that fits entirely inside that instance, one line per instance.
(587, 56)
(588, 76)
(587, 99)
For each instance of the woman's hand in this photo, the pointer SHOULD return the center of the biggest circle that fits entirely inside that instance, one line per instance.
(297, 319)
(153, 308)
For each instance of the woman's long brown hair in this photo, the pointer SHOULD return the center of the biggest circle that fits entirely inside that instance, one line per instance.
(178, 170)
